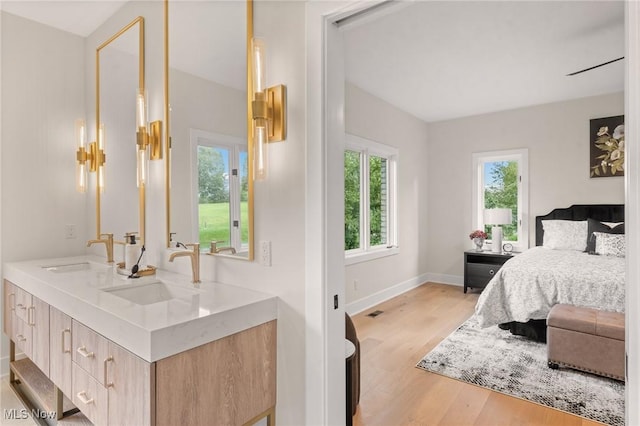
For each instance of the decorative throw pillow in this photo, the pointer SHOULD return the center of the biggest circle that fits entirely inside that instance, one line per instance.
(610, 244)
(565, 234)
(604, 227)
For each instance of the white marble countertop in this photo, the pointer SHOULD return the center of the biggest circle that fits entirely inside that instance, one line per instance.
(152, 331)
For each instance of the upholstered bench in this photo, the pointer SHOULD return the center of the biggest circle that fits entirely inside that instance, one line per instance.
(586, 339)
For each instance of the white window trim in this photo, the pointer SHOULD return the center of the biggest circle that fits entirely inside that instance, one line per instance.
(522, 157)
(201, 137)
(366, 252)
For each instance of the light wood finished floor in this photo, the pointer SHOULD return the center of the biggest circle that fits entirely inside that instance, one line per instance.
(395, 392)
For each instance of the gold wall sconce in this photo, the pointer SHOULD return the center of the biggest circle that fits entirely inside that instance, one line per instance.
(146, 137)
(89, 158)
(268, 110)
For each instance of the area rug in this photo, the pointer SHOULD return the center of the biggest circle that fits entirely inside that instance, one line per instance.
(498, 360)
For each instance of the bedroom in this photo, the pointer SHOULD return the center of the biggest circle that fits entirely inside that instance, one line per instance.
(556, 133)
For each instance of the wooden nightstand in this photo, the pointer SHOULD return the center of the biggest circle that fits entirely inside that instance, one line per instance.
(481, 266)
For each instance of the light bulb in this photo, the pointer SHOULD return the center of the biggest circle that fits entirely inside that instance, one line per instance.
(141, 110)
(259, 72)
(101, 157)
(260, 141)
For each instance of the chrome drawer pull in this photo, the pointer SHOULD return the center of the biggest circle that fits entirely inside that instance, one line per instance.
(82, 396)
(21, 306)
(83, 351)
(21, 338)
(66, 351)
(106, 379)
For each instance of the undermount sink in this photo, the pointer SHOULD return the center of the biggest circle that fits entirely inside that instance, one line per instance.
(155, 292)
(75, 267)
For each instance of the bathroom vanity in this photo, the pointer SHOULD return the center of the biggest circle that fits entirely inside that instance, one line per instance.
(149, 351)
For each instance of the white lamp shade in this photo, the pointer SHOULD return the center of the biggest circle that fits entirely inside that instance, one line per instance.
(497, 217)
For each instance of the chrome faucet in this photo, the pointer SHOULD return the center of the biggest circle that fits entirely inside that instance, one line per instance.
(214, 249)
(195, 259)
(108, 242)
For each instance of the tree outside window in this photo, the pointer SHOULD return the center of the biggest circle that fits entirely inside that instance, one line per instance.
(369, 196)
(500, 180)
(501, 191)
(222, 196)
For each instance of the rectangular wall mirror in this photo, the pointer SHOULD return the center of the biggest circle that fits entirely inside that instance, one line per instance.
(209, 186)
(119, 74)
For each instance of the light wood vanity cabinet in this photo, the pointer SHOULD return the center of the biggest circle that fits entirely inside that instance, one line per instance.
(110, 385)
(60, 350)
(39, 322)
(27, 324)
(17, 326)
(231, 380)
(129, 375)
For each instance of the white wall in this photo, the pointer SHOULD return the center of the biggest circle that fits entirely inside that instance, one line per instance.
(557, 136)
(372, 118)
(42, 96)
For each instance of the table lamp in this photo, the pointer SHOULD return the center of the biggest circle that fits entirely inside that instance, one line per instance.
(497, 217)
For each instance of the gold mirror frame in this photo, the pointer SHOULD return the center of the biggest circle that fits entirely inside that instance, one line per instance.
(167, 140)
(141, 84)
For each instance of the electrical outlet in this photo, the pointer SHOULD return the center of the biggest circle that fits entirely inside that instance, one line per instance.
(70, 232)
(265, 253)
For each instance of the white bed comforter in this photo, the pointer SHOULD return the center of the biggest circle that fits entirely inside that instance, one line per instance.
(529, 284)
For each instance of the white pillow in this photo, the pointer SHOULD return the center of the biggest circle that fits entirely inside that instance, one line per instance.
(610, 244)
(565, 234)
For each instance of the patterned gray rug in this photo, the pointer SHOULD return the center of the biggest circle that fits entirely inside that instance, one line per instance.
(496, 359)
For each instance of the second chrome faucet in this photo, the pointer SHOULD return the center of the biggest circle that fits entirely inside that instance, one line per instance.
(195, 259)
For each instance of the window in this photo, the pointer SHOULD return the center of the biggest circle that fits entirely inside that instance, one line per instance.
(220, 190)
(370, 199)
(500, 181)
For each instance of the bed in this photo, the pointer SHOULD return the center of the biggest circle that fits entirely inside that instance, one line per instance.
(524, 290)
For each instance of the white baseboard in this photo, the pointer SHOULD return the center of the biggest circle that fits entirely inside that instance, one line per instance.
(388, 293)
(445, 279)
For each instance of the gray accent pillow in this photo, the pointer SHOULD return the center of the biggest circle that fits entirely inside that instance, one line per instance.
(610, 244)
(597, 226)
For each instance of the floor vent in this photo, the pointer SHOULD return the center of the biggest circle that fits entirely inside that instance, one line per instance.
(374, 314)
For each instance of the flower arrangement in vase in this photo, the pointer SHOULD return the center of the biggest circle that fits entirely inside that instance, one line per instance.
(478, 238)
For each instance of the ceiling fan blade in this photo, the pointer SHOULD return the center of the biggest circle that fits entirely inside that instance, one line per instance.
(597, 66)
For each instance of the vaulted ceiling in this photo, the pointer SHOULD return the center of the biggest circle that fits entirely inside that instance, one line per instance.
(445, 59)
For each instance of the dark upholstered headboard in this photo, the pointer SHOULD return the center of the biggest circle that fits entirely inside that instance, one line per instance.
(601, 212)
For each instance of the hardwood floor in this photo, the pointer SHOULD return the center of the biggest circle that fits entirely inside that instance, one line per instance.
(395, 392)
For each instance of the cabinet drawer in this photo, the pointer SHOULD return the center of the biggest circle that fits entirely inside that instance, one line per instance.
(22, 303)
(480, 273)
(61, 350)
(90, 350)
(22, 336)
(89, 396)
(9, 308)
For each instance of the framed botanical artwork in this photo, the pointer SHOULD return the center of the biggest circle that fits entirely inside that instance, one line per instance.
(606, 141)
